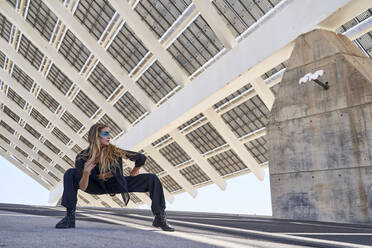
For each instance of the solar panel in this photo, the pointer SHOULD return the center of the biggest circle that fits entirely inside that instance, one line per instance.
(16, 98)
(118, 201)
(68, 160)
(195, 46)
(134, 198)
(366, 42)
(94, 15)
(247, 117)
(85, 104)
(170, 184)
(191, 121)
(85, 137)
(156, 82)
(205, 138)
(5, 28)
(39, 117)
(41, 18)
(30, 52)
(158, 141)
(60, 168)
(59, 79)
(152, 167)
(239, 15)
(11, 114)
(74, 51)
(21, 151)
(7, 127)
(103, 81)
(60, 135)
(194, 175)
(26, 142)
(275, 70)
(48, 100)
(32, 131)
(71, 121)
(258, 148)
(52, 147)
(38, 164)
(127, 48)
(174, 154)
(129, 107)
(346, 26)
(43, 155)
(159, 15)
(227, 163)
(83, 198)
(232, 96)
(4, 138)
(2, 59)
(22, 78)
(54, 176)
(77, 149)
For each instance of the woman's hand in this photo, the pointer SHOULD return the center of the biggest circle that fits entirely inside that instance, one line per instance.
(105, 175)
(135, 171)
(89, 165)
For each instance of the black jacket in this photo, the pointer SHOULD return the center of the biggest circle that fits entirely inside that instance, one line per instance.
(138, 158)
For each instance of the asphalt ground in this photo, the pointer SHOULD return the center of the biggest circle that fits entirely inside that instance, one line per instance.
(33, 226)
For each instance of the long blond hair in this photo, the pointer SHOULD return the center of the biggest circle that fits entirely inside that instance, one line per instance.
(108, 155)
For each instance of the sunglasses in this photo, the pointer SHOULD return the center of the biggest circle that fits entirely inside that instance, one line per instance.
(105, 134)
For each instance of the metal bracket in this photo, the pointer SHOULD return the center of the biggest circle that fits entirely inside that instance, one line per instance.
(324, 85)
(314, 77)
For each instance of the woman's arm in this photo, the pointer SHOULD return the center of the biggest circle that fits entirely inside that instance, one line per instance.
(139, 159)
(84, 170)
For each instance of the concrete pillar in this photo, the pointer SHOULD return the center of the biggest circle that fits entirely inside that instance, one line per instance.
(320, 141)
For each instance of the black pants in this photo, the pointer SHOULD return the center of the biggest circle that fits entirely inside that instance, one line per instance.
(141, 183)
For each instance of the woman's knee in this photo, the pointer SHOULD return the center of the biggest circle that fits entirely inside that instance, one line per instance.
(154, 178)
(69, 173)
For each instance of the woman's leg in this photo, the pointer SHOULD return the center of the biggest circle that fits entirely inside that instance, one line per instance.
(70, 187)
(148, 183)
(151, 183)
(69, 197)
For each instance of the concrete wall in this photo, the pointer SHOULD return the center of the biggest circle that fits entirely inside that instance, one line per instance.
(320, 141)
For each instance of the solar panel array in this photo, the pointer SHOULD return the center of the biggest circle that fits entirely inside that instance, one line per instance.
(49, 110)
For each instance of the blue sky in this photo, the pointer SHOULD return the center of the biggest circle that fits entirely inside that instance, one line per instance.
(243, 195)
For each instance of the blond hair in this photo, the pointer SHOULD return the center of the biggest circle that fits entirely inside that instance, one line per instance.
(107, 155)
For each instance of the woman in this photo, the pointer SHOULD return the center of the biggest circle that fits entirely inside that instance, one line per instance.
(99, 170)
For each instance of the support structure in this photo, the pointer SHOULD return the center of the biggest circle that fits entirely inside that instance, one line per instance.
(320, 139)
(264, 92)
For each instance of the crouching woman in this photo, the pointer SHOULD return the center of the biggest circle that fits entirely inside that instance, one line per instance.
(99, 170)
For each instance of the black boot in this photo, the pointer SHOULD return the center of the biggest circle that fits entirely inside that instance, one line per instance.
(68, 221)
(160, 220)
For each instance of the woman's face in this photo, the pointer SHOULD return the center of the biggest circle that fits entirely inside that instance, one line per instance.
(104, 137)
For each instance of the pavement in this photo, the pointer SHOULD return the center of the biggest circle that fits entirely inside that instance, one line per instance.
(33, 226)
